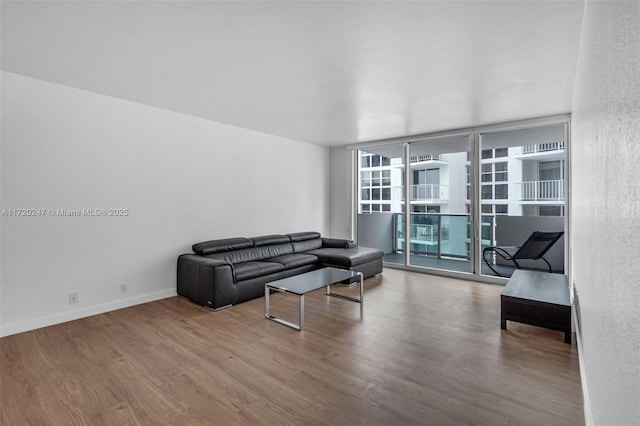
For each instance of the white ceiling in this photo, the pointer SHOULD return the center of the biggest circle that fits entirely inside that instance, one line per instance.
(327, 73)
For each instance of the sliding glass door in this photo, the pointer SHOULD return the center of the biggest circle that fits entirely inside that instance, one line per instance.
(380, 200)
(439, 221)
(434, 203)
(523, 190)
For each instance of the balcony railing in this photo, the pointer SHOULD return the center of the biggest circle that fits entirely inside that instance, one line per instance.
(424, 157)
(440, 235)
(543, 147)
(422, 193)
(540, 190)
(425, 234)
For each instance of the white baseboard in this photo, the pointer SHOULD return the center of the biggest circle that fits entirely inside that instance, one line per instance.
(45, 321)
(588, 415)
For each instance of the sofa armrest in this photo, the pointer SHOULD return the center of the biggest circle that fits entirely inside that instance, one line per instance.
(208, 282)
(337, 243)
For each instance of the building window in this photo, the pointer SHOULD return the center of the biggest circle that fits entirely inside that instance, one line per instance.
(386, 177)
(370, 160)
(502, 209)
(501, 191)
(487, 192)
(550, 170)
(501, 152)
(375, 184)
(366, 178)
(487, 175)
(501, 173)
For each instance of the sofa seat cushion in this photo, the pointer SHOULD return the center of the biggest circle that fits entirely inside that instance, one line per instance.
(290, 261)
(247, 270)
(346, 258)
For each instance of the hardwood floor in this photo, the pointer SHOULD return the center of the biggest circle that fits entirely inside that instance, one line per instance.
(427, 350)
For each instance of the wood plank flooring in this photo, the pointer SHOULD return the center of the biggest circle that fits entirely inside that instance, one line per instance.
(427, 350)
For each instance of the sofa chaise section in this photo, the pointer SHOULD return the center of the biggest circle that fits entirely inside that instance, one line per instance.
(223, 272)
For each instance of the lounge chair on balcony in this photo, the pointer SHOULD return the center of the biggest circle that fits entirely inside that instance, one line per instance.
(534, 248)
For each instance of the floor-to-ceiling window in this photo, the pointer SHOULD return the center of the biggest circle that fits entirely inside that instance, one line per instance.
(380, 198)
(439, 220)
(434, 203)
(523, 189)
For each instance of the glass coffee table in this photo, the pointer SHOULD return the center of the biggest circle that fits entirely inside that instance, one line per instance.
(302, 284)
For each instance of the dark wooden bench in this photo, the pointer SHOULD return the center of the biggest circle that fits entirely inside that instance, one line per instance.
(537, 298)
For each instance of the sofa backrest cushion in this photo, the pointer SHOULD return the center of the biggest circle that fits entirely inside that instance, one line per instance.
(303, 236)
(252, 254)
(300, 246)
(336, 243)
(218, 246)
(268, 240)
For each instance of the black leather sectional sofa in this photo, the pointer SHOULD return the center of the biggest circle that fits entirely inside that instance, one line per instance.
(229, 271)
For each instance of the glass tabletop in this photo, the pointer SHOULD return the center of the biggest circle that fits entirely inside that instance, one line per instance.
(309, 281)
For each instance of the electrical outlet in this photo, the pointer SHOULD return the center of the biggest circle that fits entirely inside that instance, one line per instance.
(123, 288)
(73, 298)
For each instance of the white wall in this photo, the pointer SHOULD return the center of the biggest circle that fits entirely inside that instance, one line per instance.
(340, 193)
(605, 214)
(183, 180)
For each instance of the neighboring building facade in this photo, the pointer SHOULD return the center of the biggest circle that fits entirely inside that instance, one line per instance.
(517, 181)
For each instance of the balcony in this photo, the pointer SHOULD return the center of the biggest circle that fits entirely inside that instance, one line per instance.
(418, 161)
(424, 157)
(443, 241)
(542, 151)
(540, 191)
(543, 147)
(439, 235)
(422, 194)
